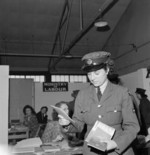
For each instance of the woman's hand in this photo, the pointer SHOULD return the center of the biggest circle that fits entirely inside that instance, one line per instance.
(58, 138)
(111, 144)
(148, 130)
(147, 138)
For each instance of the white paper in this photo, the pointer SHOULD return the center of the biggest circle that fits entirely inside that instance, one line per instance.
(30, 142)
(62, 113)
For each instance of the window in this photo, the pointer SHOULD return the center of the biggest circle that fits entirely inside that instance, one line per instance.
(68, 78)
(54, 78)
(36, 78)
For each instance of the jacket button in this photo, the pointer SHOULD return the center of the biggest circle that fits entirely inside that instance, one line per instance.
(99, 116)
(99, 106)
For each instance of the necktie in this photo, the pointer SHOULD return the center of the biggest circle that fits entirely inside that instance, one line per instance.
(99, 94)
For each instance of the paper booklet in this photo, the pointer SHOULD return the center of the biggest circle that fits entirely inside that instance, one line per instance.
(62, 113)
(49, 148)
(98, 133)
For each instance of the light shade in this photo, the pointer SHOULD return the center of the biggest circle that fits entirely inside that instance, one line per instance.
(68, 56)
(101, 23)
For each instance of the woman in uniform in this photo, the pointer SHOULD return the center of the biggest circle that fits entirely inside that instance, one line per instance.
(105, 102)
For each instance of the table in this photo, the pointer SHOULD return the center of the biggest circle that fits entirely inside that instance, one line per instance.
(18, 132)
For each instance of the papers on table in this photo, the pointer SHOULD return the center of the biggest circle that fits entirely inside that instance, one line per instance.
(27, 145)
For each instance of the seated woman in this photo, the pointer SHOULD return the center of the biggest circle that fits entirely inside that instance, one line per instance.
(53, 132)
(30, 120)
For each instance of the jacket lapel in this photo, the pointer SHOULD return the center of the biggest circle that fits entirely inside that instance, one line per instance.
(107, 93)
(93, 95)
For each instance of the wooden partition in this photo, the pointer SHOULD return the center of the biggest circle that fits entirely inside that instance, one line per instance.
(4, 87)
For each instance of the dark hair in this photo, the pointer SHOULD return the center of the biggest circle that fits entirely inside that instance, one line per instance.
(28, 107)
(61, 103)
(114, 78)
(141, 91)
(54, 113)
(75, 93)
(45, 108)
(105, 66)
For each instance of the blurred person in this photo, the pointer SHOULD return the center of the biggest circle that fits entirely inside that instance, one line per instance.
(144, 108)
(114, 78)
(144, 134)
(42, 115)
(79, 135)
(42, 119)
(53, 131)
(71, 103)
(30, 120)
(105, 102)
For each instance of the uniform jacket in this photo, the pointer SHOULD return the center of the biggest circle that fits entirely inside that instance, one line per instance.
(114, 109)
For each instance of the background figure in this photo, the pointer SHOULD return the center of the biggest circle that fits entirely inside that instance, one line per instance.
(114, 78)
(71, 103)
(30, 120)
(144, 108)
(136, 107)
(79, 135)
(42, 119)
(42, 115)
(53, 132)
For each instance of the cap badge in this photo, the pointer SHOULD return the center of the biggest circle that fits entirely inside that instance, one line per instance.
(94, 63)
(89, 61)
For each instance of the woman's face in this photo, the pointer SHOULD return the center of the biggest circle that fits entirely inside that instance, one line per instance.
(43, 110)
(98, 77)
(64, 107)
(28, 111)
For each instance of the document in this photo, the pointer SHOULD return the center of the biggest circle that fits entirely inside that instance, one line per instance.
(62, 113)
(98, 133)
(27, 145)
(23, 150)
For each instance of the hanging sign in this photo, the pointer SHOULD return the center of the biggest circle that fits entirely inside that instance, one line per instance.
(55, 86)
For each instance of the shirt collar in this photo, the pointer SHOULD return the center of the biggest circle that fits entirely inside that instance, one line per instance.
(103, 87)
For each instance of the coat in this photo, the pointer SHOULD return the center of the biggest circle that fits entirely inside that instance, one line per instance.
(145, 115)
(114, 109)
(41, 118)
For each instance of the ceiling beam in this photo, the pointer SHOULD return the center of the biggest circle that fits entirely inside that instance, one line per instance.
(102, 11)
(39, 55)
(106, 42)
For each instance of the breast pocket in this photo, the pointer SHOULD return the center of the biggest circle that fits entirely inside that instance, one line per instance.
(114, 115)
(87, 115)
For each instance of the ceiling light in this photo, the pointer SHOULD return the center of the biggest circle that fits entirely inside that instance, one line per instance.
(102, 25)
